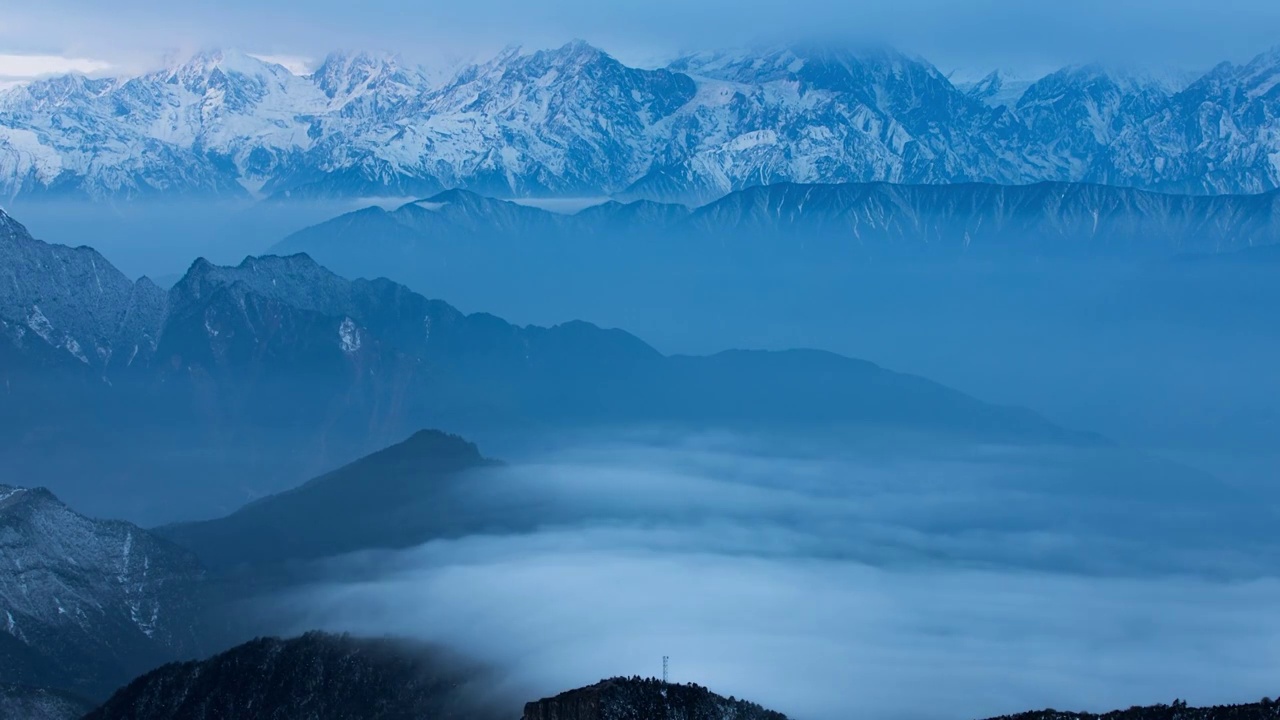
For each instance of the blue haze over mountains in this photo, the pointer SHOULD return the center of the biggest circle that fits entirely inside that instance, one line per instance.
(982, 380)
(214, 135)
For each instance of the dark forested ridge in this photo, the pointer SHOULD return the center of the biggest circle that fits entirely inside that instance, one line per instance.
(312, 677)
(644, 699)
(1265, 709)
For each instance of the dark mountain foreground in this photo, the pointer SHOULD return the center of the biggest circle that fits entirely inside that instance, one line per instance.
(644, 699)
(321, 676)
(312, 677)
(23, 702)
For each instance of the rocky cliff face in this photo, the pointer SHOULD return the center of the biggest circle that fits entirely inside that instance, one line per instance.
(74, 304)
(86, 604)
(644, 699)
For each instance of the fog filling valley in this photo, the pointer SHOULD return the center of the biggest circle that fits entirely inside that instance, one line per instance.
(834, 581)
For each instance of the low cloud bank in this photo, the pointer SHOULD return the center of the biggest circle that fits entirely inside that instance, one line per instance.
(959, 585)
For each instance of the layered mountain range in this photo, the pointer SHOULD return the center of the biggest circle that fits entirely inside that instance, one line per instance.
(289, 369)
(575, 121)
(823, 222)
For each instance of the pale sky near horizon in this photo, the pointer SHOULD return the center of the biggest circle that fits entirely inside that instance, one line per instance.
(130, 35)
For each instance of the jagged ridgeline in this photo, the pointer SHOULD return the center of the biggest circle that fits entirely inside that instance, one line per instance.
(576, 121)
(284, 369)
(850, 222)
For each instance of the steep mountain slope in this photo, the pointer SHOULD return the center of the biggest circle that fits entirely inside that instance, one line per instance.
(576, 121)
(22, 702)
(313, 677)
(624, 698)
(73, 303)
(394, 498)
(85, 604)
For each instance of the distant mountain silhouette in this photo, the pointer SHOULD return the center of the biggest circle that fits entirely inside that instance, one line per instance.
(840, 222)
(394, 498)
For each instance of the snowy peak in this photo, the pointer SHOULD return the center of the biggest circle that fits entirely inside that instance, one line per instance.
(10, 229)
(573, 54)
(343, 74)
(56, 92)
(218, 61)
(238, 79)
(1257, 80)
(785, 62)
(998, 89)
(574, 121)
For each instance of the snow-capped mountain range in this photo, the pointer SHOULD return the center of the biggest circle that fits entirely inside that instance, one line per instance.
(576, 121)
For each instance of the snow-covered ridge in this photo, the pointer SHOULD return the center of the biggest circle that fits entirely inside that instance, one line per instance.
(574, 121)
(94, 585)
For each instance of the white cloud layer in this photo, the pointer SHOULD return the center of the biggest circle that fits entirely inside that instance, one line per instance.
(296, 64)
(15, 68)
(965, 584)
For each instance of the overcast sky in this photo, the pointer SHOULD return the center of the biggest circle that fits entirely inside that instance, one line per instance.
(951, 33)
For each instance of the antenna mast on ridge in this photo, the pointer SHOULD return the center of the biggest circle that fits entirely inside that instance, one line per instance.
(664, 669)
